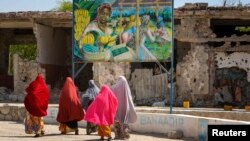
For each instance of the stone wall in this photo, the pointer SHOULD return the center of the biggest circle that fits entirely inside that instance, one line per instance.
(108, 72)
(193, 28)
(192, 74)
(12, 113)
(24, 72)
(7, 95)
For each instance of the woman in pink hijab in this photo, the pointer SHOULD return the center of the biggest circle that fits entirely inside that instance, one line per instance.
(102, 111)
(70, 108)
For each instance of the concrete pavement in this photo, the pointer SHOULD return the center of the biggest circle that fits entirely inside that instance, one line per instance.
(14, 131)
(152, 119)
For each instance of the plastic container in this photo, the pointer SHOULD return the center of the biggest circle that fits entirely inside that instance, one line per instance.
(228, 108)
(186, 104)
(247, 108)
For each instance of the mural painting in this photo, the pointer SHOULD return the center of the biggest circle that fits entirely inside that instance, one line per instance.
(122, 30)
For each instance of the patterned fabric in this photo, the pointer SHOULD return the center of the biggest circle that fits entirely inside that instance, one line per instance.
(33, 124)
(36, 100)
(103, 108)
(70, 108)
(121, 130)
(66, 129)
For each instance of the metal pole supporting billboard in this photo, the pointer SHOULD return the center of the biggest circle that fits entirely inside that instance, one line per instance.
(72, 51)
(172, 63)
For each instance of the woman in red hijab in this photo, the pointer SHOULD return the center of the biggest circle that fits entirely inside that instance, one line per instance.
(70, 108)
(36, 104)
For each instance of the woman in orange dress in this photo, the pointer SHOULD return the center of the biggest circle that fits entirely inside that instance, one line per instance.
(36, 104)
(70, 108)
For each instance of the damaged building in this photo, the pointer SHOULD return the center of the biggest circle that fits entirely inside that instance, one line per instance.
(211, 60)
(51, 34)
(212, 46)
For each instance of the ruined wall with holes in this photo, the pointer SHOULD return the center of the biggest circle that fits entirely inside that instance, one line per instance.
(210, 49)
(237, 59)
(192, 75)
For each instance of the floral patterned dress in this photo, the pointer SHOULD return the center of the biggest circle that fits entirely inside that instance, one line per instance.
(34, 124)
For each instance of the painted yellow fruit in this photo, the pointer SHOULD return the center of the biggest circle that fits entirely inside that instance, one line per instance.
(87, 39)
(112, 40)
(82, 19)
(77, 36)
(104, 39)
(111, 43)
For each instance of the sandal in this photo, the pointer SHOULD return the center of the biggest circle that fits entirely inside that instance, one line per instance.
(42, 133)
(37, 135)
(109, 139)
(102, 138)
(76, 132)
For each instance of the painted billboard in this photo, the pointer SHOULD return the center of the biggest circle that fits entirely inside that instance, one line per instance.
(122, 30)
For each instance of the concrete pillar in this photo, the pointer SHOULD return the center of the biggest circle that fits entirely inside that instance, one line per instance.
(52, 45)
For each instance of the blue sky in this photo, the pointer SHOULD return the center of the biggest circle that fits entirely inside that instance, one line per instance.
(27, 5)
(46, 5)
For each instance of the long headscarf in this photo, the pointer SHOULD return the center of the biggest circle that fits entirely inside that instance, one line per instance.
(36, 100)
(126, 111)
(102, 109)
(90, 94)
(70, 108)
(92, 90)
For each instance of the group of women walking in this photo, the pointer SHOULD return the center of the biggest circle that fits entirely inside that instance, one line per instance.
(102, 109)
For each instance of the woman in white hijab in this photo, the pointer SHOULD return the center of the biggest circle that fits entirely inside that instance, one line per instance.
(126, 112)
